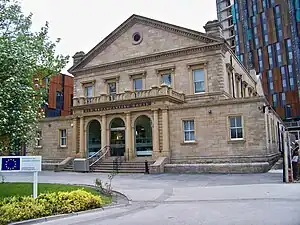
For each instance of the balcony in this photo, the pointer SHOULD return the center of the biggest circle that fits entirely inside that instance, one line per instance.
(154, 94)
(292, 125)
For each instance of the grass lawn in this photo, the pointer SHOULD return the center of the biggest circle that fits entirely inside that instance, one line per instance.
(25, 189)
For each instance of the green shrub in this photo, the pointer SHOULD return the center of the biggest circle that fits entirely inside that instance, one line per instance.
(24, 208)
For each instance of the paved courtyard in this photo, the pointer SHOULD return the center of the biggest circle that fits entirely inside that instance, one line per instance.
(188, 199)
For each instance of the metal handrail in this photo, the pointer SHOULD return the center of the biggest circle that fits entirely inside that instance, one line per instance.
(101, 150)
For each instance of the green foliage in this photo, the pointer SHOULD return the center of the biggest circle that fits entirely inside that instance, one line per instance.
(24, 208)
(26, 58)
(25, 189)
(105, 188)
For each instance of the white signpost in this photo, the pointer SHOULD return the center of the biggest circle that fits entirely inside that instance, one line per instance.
(27, 164)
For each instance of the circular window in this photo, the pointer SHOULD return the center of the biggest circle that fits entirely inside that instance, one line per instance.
(137, 38)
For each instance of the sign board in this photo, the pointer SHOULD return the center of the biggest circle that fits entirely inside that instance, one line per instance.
(20, 163)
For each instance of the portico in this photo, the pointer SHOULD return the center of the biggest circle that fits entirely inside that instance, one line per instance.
(141, 130)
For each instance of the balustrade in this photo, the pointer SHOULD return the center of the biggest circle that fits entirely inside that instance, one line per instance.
(130, 95)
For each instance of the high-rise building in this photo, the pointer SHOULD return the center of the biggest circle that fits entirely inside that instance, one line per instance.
(267, 34)
(225, 17)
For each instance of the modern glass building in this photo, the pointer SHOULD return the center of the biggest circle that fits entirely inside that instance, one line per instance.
(267, 35)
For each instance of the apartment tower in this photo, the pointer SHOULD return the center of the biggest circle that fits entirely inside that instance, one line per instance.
(266, 38)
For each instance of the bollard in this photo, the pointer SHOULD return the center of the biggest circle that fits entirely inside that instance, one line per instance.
(146, 167)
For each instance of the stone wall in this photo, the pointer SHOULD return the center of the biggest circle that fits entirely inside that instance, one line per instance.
(213, 142)
(50, 147)
(182, 79)
(153, 40)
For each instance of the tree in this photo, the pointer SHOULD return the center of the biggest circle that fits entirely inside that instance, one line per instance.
(26, 58)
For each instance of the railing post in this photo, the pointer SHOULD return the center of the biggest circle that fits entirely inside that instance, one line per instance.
(146, 167)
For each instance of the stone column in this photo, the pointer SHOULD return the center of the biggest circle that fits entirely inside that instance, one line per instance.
(128, 138)
(165, 132)
(74, 136)
(82, 138)
(103, 131)
(155, 134)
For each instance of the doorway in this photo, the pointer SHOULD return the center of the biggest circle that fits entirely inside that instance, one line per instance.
(143, 136)
(93, 137)
(117, 137)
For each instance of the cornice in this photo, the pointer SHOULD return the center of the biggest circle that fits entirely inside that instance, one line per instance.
(142, 73)
(177, 30)
(218, 103)
(163, 69)
(148, 22)
(116, 78)
(150, 58)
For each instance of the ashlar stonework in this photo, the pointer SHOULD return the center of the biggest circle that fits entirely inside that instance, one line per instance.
(179, 96)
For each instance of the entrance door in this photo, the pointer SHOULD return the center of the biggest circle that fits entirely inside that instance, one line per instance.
(143, 136)
(93, 137)
(117, 137)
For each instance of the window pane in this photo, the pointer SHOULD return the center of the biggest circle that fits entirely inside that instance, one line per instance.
(63, 141)
(166, 79)
(233, 133)
(199, 87)
(239, 133)
(192, 136)
(238, 121)
(191, 125)
(63, 133)
(186, 136)
(138, 84)
(112, 88)
(186, 125)
(198, 75)
(232, 122)
(89, 91)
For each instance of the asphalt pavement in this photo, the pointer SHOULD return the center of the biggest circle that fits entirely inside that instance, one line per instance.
(211, 199)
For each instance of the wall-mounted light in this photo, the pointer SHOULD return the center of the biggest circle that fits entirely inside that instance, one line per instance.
(263, 108)
(209, 111)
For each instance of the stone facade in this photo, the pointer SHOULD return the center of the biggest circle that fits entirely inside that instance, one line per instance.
(228, 92)
(50, 146)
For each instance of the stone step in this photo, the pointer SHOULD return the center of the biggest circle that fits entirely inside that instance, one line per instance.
(119, 171)
(278, 165)
(52, 160)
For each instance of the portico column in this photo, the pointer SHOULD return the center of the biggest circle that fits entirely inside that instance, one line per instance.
(165, 132)
(74, 136)
(103, 131)
(82, 139)
(155, 134)
(128, 137)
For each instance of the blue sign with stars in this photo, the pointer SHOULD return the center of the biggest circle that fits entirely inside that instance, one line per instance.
(8, 164)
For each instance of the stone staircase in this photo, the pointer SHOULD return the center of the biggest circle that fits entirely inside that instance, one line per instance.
(69, 167)
(278, 165)
(50, 163)
(136, 165)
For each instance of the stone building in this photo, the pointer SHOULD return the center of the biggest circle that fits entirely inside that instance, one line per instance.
(180, 97)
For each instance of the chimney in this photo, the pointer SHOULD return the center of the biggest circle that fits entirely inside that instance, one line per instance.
(78, 57)
(214, 28)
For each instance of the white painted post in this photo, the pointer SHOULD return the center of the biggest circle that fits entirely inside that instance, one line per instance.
(285, 157)
(35, 184)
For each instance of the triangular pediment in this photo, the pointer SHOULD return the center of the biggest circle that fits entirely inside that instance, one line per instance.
(139, 36)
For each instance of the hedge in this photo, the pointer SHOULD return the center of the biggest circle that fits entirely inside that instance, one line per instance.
(23, 208)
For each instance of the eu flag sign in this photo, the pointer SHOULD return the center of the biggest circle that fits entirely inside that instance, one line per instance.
(8, 164)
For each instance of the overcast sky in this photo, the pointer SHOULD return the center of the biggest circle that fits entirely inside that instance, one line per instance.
(81, 24)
